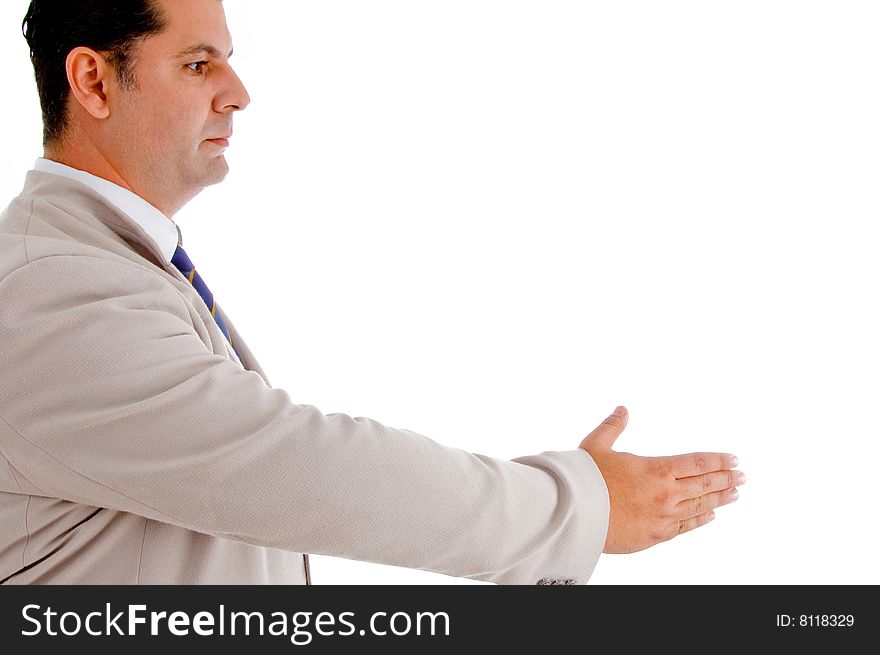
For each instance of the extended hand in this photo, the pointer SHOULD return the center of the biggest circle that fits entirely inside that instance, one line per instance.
(656, 498)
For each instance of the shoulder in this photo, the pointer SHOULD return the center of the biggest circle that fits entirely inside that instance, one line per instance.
(45, 238)
(52, 283)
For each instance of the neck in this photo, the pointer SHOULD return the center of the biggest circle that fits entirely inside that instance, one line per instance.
(86, 156)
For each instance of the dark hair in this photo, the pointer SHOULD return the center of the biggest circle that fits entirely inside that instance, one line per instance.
(53, 28)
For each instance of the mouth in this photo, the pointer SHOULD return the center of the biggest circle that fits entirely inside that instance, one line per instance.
(222, 142)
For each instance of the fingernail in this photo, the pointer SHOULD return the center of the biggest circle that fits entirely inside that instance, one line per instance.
(620, 411)
(740, 478)
(711, 516)
(734, 460)
(734, 494)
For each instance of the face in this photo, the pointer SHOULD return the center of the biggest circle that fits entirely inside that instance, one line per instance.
(170, 134)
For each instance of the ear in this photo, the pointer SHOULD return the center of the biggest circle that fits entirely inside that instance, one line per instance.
(89, 74)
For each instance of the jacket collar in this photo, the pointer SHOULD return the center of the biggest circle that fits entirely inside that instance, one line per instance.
(65, 192)
(163, 230)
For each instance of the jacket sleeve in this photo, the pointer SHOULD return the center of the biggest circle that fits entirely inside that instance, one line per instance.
(110, 397)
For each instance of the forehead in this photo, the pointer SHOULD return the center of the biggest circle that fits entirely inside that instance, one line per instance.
(190, 26)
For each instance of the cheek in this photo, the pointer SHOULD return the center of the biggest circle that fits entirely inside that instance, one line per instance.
(169, 124)
(143, 125)
(156, 123)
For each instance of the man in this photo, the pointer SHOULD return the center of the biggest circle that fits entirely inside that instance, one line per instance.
(140, 439)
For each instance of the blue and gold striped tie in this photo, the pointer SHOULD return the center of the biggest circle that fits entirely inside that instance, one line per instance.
(183, 263)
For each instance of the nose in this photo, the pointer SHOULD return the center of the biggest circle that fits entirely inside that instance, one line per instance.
(233, 96)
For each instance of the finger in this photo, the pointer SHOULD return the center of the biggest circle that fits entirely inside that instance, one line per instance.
(708, 482)
(692, 507)
(686, 525)
(606, 434)
(685, 466)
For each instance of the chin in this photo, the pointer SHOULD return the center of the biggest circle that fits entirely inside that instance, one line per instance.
(218, 169)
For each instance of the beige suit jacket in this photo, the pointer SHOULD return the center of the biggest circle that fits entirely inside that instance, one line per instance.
(136, 448)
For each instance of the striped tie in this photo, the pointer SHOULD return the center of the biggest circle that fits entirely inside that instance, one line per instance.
(183, 263)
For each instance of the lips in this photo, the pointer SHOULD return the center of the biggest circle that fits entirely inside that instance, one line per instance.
(223, 140)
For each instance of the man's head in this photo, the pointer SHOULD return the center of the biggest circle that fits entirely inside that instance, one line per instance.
(139, 92)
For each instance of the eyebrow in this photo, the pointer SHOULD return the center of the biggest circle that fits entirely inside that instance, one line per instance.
(207, 48)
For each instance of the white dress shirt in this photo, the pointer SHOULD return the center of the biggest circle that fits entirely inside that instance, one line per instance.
(157, 226)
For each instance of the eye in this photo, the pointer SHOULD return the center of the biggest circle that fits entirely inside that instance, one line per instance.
(197, 66)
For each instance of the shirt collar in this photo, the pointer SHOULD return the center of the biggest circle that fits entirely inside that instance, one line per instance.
(159, 227)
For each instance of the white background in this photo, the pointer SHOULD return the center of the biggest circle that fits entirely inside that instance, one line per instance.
(505, 218)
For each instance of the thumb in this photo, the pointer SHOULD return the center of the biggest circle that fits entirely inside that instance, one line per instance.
(604, 436)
